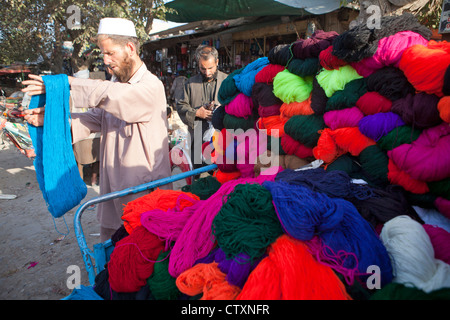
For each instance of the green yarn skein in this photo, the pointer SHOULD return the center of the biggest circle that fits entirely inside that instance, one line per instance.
(228, 89)
(347, 97)
(203, 187)
(231, 122)
(440, 188)
(162, 285)
(336, 79)
(304, 67)
(374, 162)
(400, 135)
(305, 128)
(289, 87)
(247, 222)
(399, 291)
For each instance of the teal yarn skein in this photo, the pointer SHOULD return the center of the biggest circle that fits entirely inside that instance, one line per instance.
(56, 168)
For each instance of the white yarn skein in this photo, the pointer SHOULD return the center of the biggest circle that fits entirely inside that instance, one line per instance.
(412, 255)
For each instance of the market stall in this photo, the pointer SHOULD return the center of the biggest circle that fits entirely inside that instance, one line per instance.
(353, 203)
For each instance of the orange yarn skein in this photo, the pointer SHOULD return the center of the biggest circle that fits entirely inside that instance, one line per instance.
(444, 108)
(290, 272)
(273, 124)
(157, 199)
(206, 278)
(425, 66)
(288, 110)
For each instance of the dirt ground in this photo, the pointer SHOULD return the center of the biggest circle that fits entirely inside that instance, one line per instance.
(36, 250)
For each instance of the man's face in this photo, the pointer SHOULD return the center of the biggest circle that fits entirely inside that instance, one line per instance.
(208, 69)
(117, 59)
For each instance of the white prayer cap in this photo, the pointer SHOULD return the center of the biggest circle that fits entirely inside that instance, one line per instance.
(117, 26)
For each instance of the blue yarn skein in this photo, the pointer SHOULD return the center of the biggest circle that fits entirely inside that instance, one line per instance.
(246, 79)
(335, 184)
(56, 168)
(304, 214)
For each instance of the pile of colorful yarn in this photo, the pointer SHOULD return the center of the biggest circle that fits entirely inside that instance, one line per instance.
(333, 181)
(307, 234)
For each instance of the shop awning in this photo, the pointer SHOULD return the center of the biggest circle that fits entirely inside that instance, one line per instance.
(14, 70)
(197, 10)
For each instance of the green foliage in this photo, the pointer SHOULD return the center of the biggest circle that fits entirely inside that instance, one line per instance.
(430, 14)
(30, 29)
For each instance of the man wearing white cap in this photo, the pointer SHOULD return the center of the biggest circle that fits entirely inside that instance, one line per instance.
(130, 113)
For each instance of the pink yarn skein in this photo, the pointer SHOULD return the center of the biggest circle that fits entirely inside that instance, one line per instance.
(389, 52)
(241, 106)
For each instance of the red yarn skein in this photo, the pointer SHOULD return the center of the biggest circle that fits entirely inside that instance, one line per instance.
(266, 74)
(372, 102)
(397, 176)
(294, 147)
(132, 260)
(330, 61)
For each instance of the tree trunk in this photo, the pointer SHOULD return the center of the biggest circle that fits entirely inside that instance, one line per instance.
(149, 25)
(78, 60)
(79, 63)
(57, 54)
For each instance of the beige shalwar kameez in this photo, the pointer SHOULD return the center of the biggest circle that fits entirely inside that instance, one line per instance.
(132, 120)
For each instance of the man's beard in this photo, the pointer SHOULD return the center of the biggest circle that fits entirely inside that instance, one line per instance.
(124, 73)
(208, 79)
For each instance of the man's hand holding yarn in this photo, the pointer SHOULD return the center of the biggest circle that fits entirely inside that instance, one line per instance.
(35, 116)
(35, 86)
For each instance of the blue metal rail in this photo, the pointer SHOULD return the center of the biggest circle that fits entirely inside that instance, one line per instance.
(101, 251)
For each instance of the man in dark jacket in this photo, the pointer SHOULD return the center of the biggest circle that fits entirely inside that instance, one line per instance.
(200, 98)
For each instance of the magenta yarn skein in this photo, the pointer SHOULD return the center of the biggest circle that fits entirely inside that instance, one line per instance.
(241, 106)
(427, 158)
(348, 117)
(389, 52)
(440, 239)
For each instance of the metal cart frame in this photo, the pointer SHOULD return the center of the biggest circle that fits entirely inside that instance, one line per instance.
(101, 251)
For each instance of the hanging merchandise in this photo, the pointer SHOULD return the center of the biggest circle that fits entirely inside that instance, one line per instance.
(184, 48)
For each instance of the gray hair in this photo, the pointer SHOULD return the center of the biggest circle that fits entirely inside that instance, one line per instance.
(120, 40)
(206, 52)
